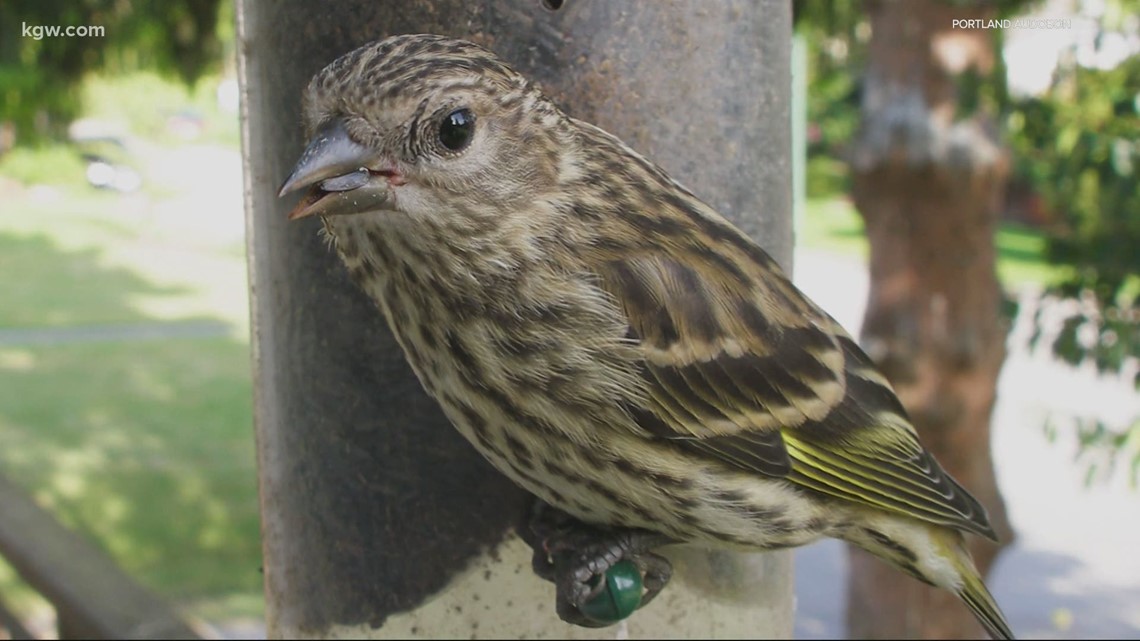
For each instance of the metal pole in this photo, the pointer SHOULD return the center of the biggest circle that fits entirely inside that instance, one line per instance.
(378, 519)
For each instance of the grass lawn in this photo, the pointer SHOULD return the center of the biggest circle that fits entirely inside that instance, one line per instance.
(144, 445)
(147, 447)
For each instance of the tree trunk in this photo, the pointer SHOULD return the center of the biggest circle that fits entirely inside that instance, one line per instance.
(927, 181)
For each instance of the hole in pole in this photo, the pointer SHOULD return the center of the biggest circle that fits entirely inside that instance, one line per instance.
(553, 5)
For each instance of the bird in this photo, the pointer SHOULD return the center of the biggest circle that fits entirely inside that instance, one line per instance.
(605, 338)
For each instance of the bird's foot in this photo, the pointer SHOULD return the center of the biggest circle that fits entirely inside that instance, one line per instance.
(601, 574)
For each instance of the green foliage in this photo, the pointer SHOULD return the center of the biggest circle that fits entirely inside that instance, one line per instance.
(836, 33)
(1079, 145)
(40, 76)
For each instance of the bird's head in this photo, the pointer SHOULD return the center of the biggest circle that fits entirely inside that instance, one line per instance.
(424, 126)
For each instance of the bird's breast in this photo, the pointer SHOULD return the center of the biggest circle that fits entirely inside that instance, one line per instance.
(536, 370)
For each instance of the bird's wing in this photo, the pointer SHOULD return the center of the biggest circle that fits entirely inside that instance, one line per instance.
(741, 368)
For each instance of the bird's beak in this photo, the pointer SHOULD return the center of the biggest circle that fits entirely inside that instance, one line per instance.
(346, 177)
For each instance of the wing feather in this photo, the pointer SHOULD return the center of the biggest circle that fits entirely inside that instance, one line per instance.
(781, 392)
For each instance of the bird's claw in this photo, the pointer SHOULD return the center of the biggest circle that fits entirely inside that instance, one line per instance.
(576, 557)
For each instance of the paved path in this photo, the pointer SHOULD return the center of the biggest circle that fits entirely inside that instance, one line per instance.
(21, 337)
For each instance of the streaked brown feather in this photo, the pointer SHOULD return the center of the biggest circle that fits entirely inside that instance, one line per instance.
(802, 402)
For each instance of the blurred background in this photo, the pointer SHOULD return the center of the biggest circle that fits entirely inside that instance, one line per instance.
(125, 395)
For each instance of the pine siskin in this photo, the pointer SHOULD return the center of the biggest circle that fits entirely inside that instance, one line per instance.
(603, 337)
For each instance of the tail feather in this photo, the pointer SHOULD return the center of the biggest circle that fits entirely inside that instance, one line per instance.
(982, 604)
(936, 555)
(969, 585)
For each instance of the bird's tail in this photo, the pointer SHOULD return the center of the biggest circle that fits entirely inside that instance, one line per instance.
(946, 563)
(972, 590)
(975, 595)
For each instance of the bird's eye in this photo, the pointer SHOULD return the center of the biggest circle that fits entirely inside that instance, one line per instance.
(457, 129)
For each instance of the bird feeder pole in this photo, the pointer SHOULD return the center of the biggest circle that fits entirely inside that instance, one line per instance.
(378, 520)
